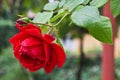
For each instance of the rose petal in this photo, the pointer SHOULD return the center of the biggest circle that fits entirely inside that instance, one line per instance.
(30, 26)
(34, 32)
(18, 37)
(31, 63)
(37, 66)
(18, 26)
(16, 50)
(26, 26)
(31, 41)
(59, 53)
(48, 38)
(29, 29)
(38, 52)
(47, 51)
(34, 51)
(26, 60)
(51, 63)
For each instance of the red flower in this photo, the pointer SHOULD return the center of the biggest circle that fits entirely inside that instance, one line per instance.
(35, 51)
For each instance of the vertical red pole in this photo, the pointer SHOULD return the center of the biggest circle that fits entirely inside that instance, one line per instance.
(108, 50)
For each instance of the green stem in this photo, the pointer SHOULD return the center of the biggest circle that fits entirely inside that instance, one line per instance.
(61, 19)
(54, 26)
(42, 24)
(50, 31)
(51, 25)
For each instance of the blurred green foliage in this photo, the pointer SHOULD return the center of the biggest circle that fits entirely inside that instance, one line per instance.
(10, 69)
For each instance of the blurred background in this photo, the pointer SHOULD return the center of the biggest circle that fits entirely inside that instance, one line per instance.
(91, 49)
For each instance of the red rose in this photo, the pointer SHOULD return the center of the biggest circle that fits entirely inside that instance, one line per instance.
(35, 51)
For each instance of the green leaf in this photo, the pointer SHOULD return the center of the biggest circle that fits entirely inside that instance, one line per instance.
(98, 3)
(43, 17)
(85, 16)
(51, 6)
(62, 3)
(79, 7)
(86, 2)
(56, 17)
(115, 7)
(61, 11)
(102, 30)
(72, 4)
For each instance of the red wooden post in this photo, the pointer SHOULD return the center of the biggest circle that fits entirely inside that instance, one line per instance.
(108, 50)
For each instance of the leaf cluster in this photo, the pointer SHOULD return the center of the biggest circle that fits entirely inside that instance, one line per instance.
(81, 13)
